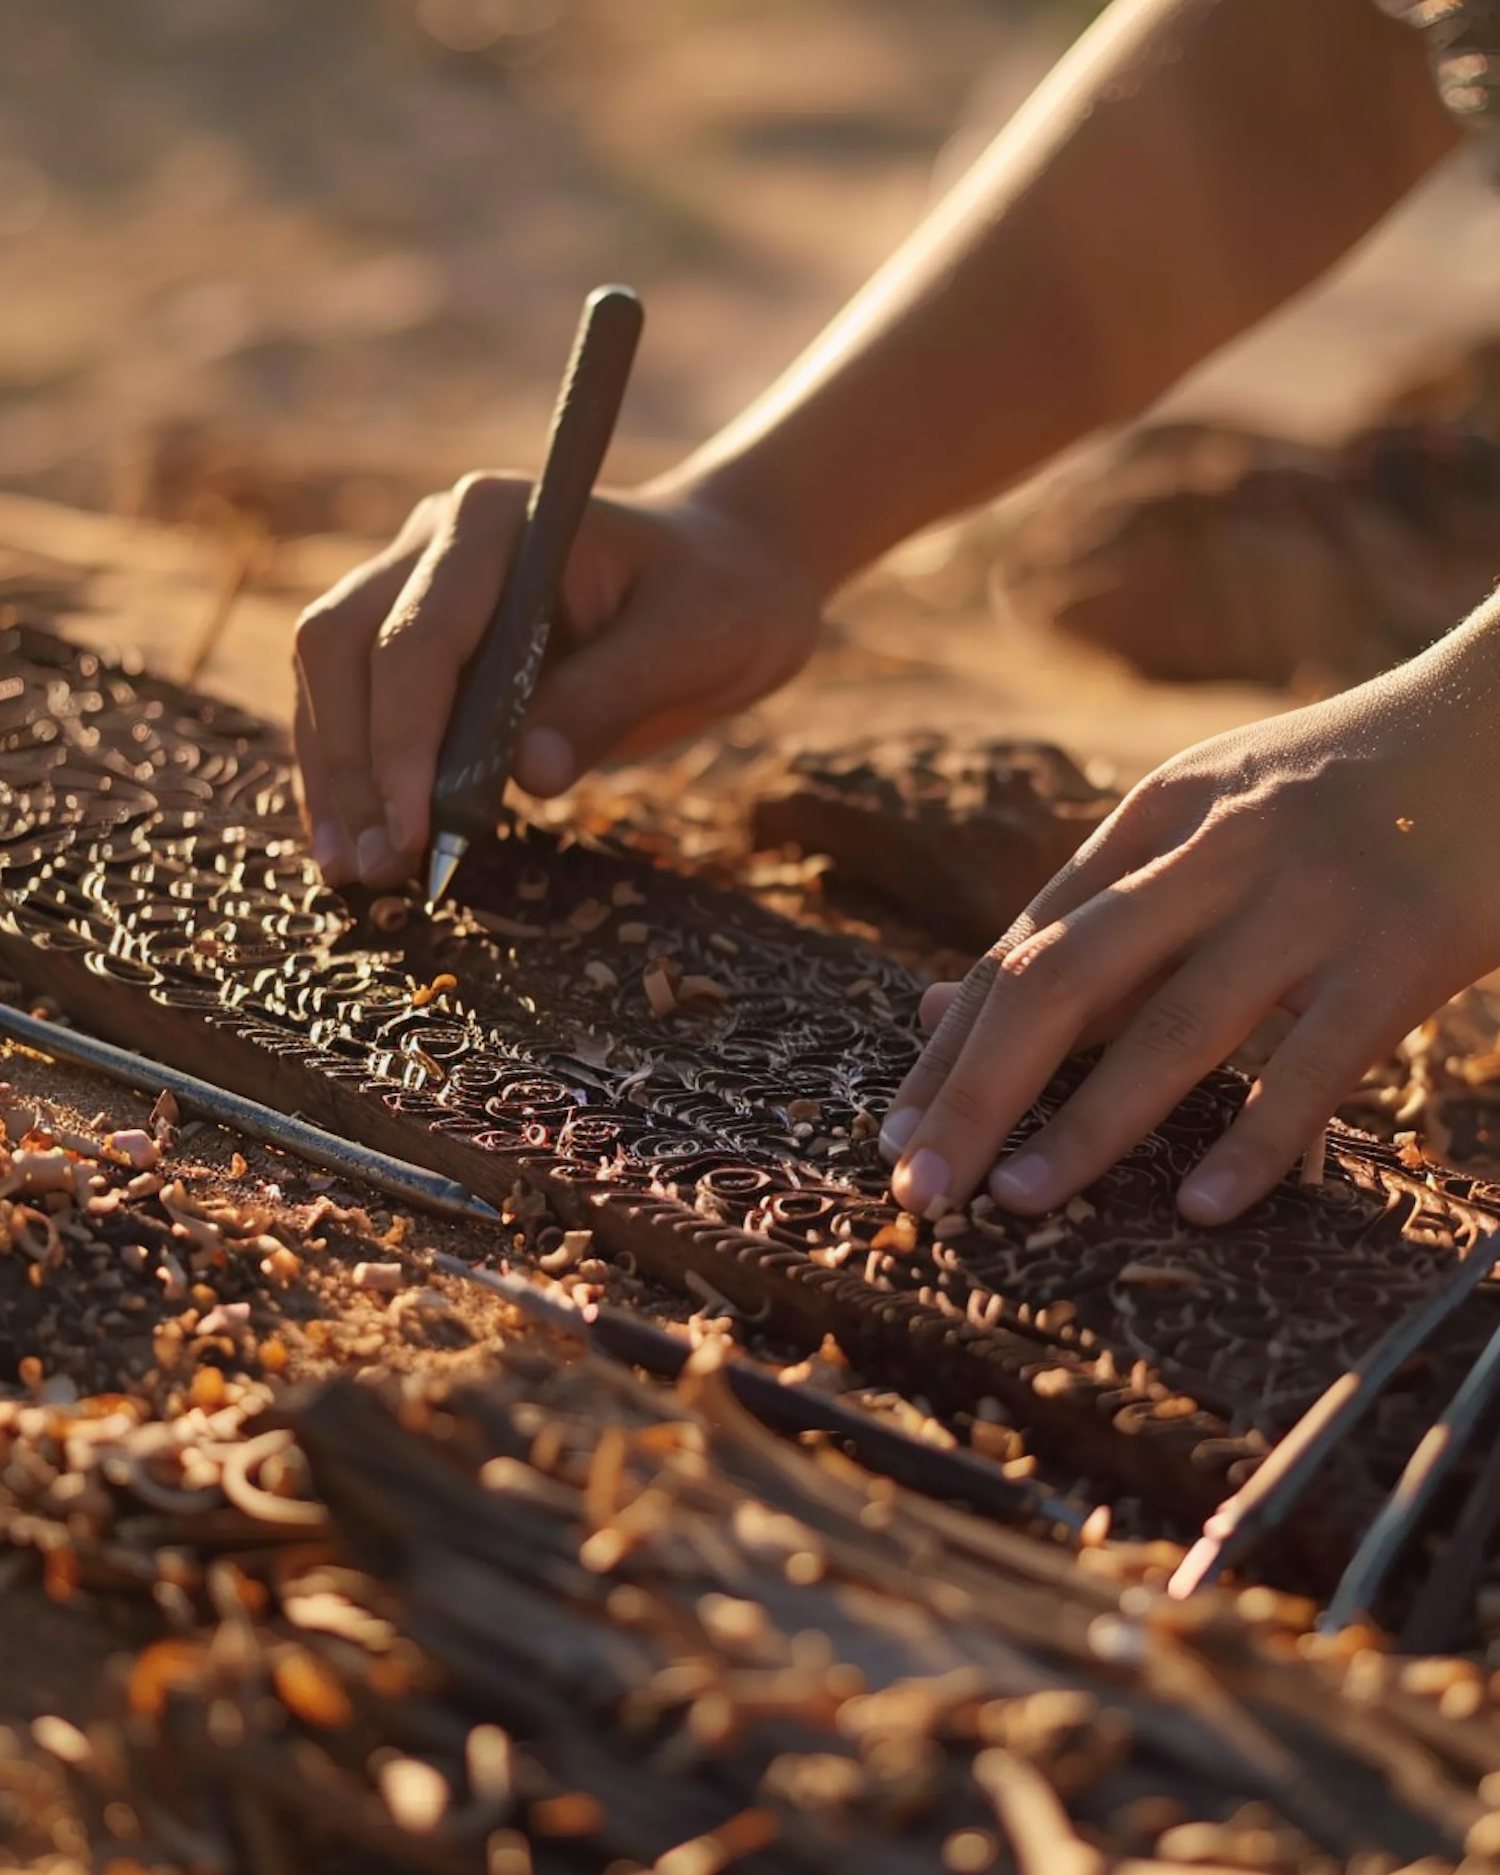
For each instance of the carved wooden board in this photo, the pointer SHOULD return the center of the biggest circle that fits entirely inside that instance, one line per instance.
(155, 883)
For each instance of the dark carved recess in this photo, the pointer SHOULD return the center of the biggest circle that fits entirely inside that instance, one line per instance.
(154, 882)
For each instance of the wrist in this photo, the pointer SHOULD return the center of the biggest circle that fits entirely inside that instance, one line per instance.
(770, 502)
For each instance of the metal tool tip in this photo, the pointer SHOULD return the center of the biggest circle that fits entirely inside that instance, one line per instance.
(1198, 1568)
(447, 850)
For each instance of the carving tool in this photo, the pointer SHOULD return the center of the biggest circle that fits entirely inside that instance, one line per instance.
(427, 1191)
(496, 686)
(789, 1407)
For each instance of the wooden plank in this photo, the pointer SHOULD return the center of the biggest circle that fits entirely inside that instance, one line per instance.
(155, 885)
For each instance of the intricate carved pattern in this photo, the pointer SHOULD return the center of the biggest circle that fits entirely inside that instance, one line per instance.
(154, 881)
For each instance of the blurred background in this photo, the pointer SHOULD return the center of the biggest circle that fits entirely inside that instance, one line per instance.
(350, 237)
(283, 266)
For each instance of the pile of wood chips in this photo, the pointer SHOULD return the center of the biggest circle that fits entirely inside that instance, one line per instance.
(489, 1606)
(561, 1620)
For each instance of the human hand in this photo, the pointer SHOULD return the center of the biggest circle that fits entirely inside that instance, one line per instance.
(1338, 862)
(673, 614)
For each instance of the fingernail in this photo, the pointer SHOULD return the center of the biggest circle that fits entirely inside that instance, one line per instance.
(375, 856)
(330, 852)
(895, 1134)
(545, 762)
(1211, 1195)
(1024, 1179)
(921, 1184)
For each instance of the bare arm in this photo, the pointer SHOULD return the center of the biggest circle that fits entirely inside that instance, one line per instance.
(1188, 167)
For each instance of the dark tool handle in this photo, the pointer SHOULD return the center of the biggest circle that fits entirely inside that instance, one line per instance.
(496, 685)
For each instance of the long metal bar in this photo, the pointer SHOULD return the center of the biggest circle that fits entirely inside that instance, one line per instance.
(412, 1184)
(791, 1407)
(1453, 1580)
(1271, 1493)
(1425, 1470)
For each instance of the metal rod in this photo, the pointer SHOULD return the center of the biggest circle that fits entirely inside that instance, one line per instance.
(427, 1191)
(790, 1407)
(1453, 1580)
(1274, 1490)
(1440, 1446)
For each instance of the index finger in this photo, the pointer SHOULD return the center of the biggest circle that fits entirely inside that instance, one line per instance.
(1040, 996)
(333, 643)
(1109, 854)
(433, 627)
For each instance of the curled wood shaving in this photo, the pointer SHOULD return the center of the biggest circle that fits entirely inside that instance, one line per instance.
(701, 989)
(899, 1236)
(35, 1174)
(429, 992)
(500, 926)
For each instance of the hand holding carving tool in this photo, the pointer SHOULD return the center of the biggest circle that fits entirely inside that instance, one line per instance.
(496, 686)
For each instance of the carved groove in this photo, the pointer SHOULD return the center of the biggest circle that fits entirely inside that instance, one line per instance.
(155, 884)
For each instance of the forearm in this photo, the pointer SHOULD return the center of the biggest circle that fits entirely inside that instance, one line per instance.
(1188, 167)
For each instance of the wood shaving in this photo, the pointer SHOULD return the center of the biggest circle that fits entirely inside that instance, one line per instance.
(429, 992)
(390, 914)
(385, 1278)
(500, 926)
(701, 989)
(587, 917)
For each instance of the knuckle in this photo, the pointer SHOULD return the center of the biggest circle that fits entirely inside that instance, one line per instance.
(936, 1001)
(939, 1059)
(1169, 1026)
(317, 632)
(482, 498)
(1157, 798)
(428, 513)
(1313, 1078)
(1150, 794)
(1047, 967)
(424, 521)
(963, 1103)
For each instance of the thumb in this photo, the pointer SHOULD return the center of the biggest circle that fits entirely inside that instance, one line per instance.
(654, 675)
